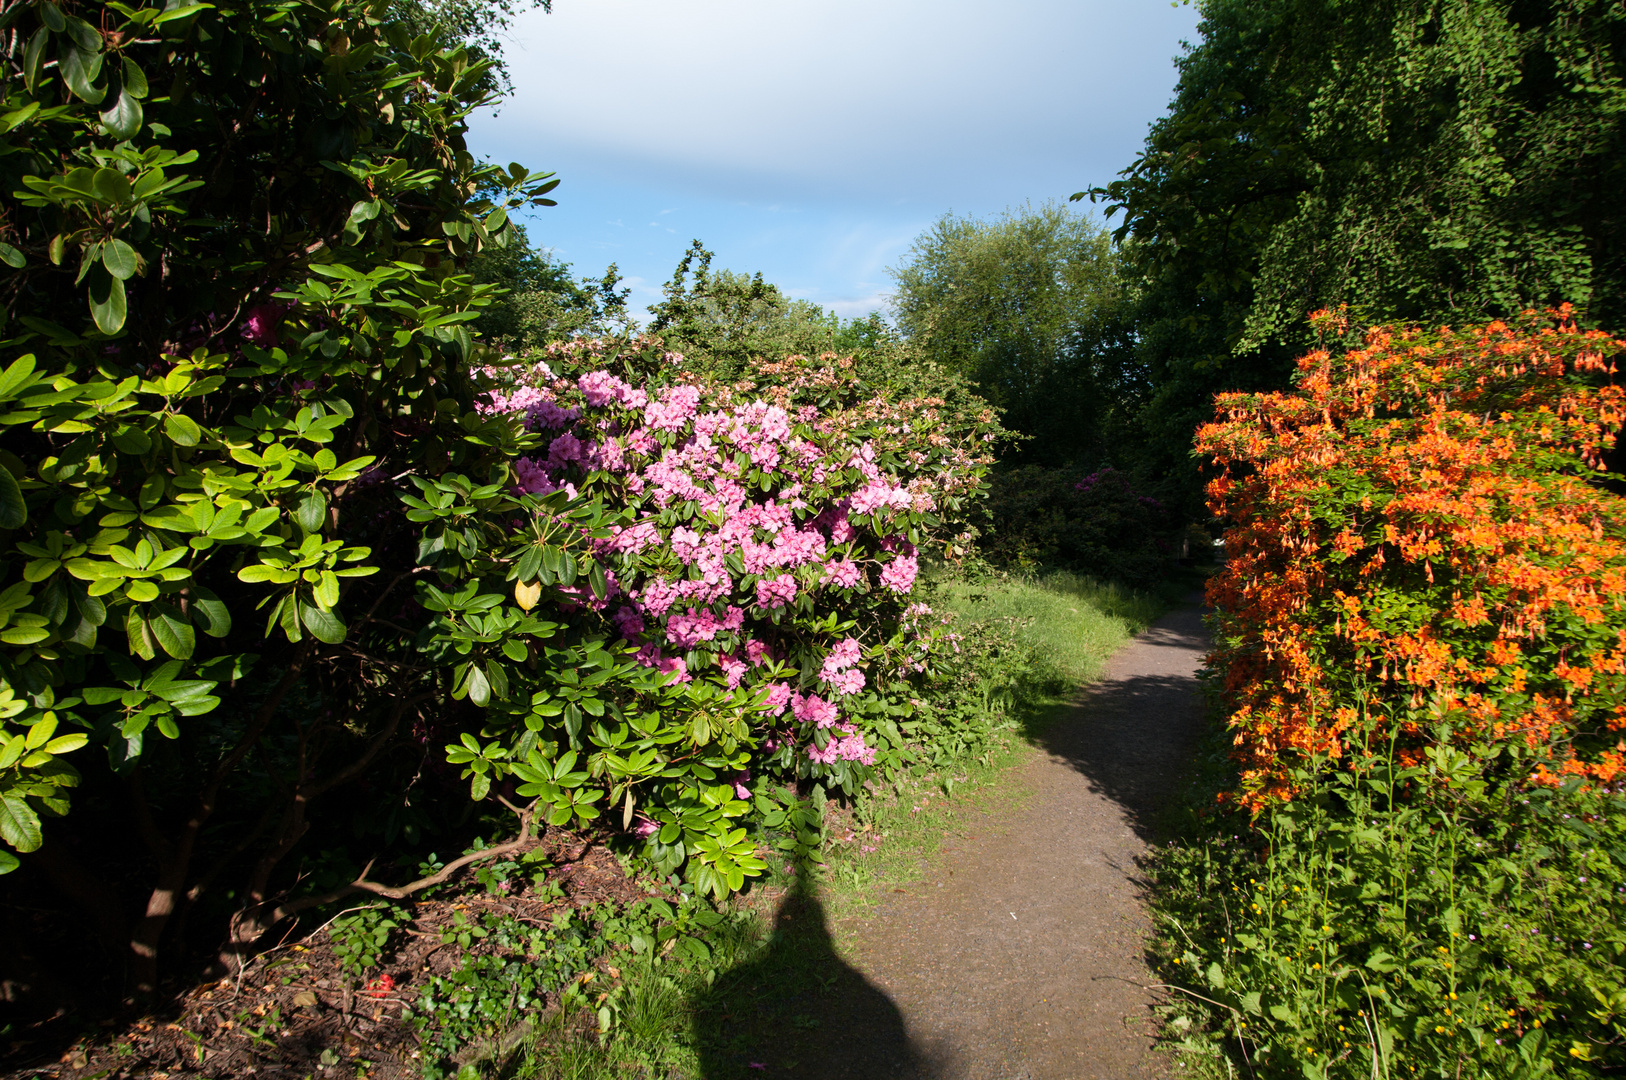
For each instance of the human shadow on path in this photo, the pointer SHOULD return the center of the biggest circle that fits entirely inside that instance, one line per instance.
(797, 1009)
(1132, 734)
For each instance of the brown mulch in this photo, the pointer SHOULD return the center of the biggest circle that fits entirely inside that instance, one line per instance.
(294, 1011)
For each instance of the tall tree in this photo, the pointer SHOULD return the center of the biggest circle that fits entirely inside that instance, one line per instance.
(722, 319)
(1026, 304)
(1415, 159)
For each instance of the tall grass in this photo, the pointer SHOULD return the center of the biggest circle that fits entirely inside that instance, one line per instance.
(1075, 622)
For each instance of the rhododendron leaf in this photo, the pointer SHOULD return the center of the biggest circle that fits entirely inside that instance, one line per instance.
(19, 825)
(284, 613)
(476, 686)
(173, 633)
(182, 430)
(596, 580)
(107, 307)
(13, 510)
(311, 514)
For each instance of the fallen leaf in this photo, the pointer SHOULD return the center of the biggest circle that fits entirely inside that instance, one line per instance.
(305, 1000)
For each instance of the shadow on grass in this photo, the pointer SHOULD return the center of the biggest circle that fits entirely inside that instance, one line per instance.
(797, 1009)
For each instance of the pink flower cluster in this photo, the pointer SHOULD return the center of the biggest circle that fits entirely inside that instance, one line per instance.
(742, 514)
(849, 746)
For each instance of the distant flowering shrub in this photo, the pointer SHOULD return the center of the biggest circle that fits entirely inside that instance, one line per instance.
(762, 555)
(1421, 550)
(1100, 523)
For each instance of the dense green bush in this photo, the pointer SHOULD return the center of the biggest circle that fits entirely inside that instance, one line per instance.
(229, 342)
(1097, 523)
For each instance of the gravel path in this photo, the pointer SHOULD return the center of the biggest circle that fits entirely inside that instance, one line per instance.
(1019, 956)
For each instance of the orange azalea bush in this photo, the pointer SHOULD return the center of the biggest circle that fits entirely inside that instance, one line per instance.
(1423, 549)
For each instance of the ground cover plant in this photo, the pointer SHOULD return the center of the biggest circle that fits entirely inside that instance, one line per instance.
(1417, 856)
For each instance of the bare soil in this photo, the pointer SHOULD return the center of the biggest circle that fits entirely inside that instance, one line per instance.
(295, 1013)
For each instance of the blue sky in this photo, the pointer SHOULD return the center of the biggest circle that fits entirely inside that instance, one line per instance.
(813, 140)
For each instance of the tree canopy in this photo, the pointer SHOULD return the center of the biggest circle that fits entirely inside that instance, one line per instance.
(1413, 159)
(1027, 305)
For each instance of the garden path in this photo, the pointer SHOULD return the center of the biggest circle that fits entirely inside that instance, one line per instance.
(1019, 955)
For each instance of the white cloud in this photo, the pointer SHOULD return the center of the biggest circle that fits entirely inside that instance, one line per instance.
(902, 99)
(813, 140)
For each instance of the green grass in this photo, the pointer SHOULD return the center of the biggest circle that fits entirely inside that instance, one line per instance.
(1075, 622)
(777, 989)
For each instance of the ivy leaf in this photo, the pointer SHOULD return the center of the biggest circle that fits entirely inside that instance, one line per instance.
(124, 119)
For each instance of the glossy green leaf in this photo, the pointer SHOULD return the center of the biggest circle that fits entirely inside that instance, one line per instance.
(34, 58)
(13, 510)
(311, 513)
(120, 259)
(12, 257)
(19, 825)
(182, 430)
(216, 617)
(125, 117)
(80, 70)
(325, 626)
(135, 80)
(175, 635)
(107, 305)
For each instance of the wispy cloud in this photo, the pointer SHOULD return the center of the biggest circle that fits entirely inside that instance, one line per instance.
(862, 123)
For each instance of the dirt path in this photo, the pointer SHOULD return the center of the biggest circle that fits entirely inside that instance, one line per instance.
(1020, 954)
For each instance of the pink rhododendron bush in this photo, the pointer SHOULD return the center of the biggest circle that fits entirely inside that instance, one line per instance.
(756, 551)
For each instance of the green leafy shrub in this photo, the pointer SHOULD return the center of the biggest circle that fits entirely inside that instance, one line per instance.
(1471, 926)
(1098, 523)
(222, 340)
